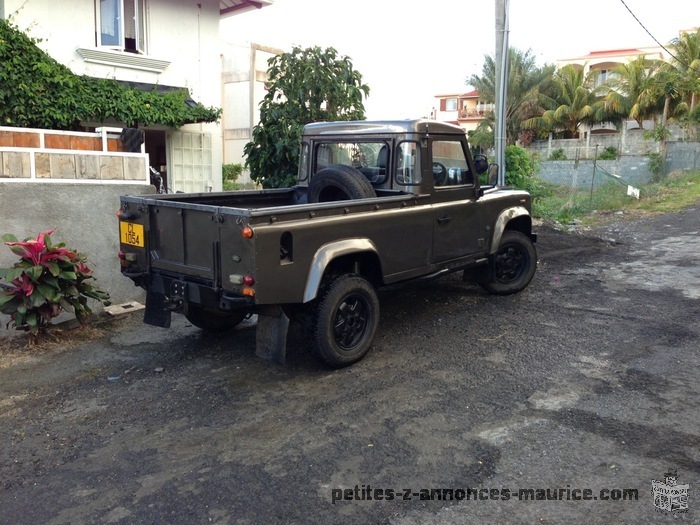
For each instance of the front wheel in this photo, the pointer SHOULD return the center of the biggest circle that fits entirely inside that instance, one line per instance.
(213, 321)
(346, 320)
(513, 266)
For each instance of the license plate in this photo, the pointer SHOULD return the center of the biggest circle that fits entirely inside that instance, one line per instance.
(131, 233)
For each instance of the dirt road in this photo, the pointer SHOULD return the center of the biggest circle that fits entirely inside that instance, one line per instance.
(585, 384)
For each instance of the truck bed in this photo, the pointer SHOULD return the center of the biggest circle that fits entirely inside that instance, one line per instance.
(195, 235)
(283, 203)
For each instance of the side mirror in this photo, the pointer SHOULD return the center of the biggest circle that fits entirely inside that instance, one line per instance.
(493, 174)
(481, 164)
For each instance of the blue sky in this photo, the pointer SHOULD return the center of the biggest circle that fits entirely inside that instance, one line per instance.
(408, 52)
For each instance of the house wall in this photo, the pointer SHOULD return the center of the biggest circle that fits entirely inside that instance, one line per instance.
(244, 72)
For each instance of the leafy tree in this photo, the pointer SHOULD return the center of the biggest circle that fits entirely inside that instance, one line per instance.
(305, 85)
(633, 91)
(525, 80)
(37, 91)
(572, 102)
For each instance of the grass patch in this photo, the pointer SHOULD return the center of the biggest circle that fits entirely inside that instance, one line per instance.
(564, 204)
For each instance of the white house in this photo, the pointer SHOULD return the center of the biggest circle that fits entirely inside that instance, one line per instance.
(147, 43)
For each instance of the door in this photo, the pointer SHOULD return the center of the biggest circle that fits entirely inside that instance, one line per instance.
(458, 229)
(190, 161)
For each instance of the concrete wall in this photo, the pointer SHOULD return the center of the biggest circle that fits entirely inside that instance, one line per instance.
(632, 169)
(85, 218)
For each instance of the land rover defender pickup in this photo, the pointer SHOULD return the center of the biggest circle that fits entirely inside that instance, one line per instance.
(375, 204)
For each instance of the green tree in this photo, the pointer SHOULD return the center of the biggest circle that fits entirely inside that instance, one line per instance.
(572, 101)
(633, 91)
(305, 85)
(525, 80)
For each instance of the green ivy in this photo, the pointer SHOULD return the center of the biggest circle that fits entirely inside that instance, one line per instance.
(36, 91)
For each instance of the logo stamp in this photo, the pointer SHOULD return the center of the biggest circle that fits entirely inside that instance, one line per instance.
(668, 495)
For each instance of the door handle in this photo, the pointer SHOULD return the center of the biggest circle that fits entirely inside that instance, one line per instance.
(444, 219)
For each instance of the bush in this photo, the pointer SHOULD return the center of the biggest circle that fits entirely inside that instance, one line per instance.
(609, 153)
(656, 166)
(557, 154)
(520, 167)
(46, 280)
(229, 175)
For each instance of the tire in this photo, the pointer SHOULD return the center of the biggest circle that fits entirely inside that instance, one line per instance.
(347, 317)
(213, 321)
(513, 266)
(339, 183)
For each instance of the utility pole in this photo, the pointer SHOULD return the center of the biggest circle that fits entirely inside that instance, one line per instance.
(501, 60)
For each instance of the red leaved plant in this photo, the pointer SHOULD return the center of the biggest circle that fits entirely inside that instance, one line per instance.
(47, 279)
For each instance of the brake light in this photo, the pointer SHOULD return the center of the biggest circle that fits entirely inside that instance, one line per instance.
(124, 215)
(247, 280)
(247, 232)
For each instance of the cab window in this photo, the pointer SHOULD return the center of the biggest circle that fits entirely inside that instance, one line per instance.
(370, 158)
(450, 166)
(408, 172)
(303, 162)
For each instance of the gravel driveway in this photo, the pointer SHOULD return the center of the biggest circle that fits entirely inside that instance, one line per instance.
(469, 408)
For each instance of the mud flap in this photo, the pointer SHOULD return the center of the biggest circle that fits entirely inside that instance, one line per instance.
(271, 334)
(157, 313)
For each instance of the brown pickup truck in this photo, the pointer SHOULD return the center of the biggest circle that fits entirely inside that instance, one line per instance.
(376, 204)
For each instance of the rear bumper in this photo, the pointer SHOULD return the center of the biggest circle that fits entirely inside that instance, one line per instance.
(167, 294)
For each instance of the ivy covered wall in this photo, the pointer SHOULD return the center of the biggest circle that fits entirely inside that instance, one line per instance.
(37, 91)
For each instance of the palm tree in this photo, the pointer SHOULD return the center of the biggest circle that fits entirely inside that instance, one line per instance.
(685, 68)
(571, 101)
(686, 60)
(524, 81)
(633, 90)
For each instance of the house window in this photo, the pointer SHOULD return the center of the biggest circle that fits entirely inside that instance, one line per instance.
(121, 25)
(451, 104)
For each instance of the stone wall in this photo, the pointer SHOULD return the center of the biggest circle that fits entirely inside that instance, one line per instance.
(31, 154)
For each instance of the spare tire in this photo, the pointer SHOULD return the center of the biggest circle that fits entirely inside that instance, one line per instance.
(339, 183)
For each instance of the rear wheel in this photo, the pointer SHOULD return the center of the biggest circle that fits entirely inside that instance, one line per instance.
(213, 321)
(346, 320)
(512, 267)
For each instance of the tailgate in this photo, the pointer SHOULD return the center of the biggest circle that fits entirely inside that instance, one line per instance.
(185, 240)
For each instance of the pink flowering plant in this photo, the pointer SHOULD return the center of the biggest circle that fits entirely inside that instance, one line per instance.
(47, 279)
